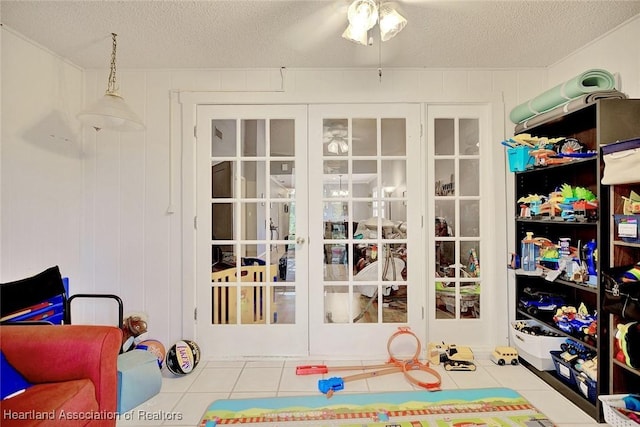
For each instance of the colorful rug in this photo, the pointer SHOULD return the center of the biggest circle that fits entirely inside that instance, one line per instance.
(491, 407)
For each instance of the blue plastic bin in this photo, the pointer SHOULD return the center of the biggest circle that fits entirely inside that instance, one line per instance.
(519, 158)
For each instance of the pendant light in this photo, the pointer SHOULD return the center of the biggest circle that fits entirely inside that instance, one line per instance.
(111, 112)
(363, 16)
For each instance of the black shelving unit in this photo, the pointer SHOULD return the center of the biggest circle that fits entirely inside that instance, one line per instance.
(593, 125)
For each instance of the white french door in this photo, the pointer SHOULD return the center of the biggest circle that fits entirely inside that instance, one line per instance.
(309, 229)
(365, 227)
(251, 266)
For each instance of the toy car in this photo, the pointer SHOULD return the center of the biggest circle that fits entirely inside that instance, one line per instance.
(546, 303)
(572, 321)
(575, 348)
(502, 355)
(579, 324)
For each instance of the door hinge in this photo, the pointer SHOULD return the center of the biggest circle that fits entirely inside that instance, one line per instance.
(421, 131)
(195, 222)
(423, 313)
(195, 131)
(195, 313)
(422, 221)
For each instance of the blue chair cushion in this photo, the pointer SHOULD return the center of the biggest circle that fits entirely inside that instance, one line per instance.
(12, 381)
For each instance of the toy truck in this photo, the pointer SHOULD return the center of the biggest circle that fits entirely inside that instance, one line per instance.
(452, 357)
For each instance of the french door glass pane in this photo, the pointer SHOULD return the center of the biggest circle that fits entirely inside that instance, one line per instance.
(253, 138)
(282, 137)
(393, 137)
(444, 130)
(283, 300)
(469, 177)
(364, 137)
(469, 136)
(223, 138)
(445, 177)
(469, 218)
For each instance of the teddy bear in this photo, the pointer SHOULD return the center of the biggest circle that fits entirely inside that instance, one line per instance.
(133, 327)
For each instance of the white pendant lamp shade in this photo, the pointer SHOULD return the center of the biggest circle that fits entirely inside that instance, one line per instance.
(110, 111)
(356, 35)
(391, 23)
(363, 14)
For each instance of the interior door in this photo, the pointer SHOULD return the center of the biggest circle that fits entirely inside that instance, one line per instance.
(365, 233)
(252, 292)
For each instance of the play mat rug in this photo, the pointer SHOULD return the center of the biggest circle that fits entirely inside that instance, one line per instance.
(491, 407)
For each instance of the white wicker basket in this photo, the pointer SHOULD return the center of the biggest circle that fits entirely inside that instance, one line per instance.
(611, 415)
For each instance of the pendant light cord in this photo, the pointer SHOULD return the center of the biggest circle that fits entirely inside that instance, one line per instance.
(111, 84)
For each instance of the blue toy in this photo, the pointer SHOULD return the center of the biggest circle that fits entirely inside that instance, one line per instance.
(331, 384)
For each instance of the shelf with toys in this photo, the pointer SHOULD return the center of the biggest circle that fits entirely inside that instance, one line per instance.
(561, 236)
(624, 274)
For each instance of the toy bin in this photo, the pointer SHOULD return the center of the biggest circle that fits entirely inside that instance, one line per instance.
(586, 385)
(519, 158)
(612, 416)
(564, 370)
(626, 228)
(535, 349)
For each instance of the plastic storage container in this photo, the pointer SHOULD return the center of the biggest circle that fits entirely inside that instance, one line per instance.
(612, 416)
(535, 349)
(564, 368)
(626, 228)
(519, 158)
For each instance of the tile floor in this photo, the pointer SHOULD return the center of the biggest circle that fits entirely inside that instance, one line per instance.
(183, 400)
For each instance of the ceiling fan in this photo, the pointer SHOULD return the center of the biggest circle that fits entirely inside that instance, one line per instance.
(354, 20)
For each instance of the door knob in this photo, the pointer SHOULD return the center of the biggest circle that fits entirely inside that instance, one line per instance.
(300, 240)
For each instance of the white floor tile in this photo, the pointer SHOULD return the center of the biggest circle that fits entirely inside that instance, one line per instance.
(479, 378)
(516, 377)
(216, 380)
(258, 379)
(558, 408)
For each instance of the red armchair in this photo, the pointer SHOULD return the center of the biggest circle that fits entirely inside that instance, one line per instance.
(73, 370)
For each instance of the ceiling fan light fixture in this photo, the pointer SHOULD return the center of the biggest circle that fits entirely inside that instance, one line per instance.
(363, 14)
(333, 147)
(344, 146)
(356, 35)
(111, 112)
(391, 22)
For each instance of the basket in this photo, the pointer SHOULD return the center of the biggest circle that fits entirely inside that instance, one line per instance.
(519, 158)
(587, 386)
(613, 417)
(626, 228)
(564, 369)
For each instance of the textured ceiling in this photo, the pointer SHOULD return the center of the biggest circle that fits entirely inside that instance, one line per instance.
(306, 33)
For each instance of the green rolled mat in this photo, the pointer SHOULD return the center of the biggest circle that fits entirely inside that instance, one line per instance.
(587, 82)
